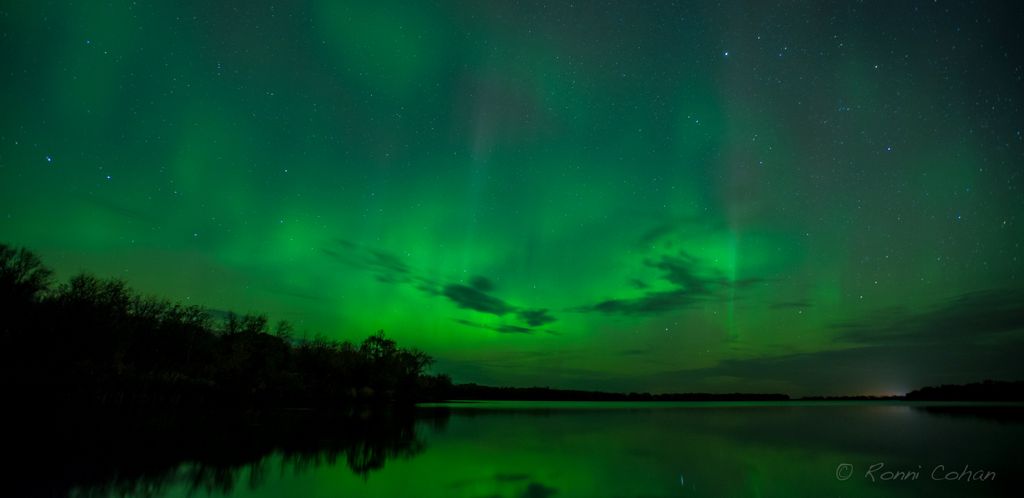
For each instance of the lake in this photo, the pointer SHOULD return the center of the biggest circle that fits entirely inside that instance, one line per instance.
(576, 449)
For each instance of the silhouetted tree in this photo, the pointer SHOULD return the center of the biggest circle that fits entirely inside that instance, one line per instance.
(24, 282)
(23, 278)
(94, 341)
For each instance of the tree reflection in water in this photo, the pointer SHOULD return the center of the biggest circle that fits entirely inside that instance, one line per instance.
(205, 453)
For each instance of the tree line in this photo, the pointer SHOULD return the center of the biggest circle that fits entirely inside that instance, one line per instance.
(987, 390)
(94, 341)
(478, 392)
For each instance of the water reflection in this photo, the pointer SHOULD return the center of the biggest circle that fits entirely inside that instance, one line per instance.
(205, 453)
(1001, 413)
(516, 450)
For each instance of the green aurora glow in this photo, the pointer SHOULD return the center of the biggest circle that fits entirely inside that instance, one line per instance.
(635, 196)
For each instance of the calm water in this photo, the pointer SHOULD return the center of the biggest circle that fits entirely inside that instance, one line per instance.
(515, 449)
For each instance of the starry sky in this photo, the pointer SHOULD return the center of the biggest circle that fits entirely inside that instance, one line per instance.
(814, 198)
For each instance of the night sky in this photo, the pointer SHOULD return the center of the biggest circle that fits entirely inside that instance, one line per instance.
(734, 196)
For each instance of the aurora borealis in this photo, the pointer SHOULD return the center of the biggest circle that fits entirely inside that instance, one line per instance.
(815, 198)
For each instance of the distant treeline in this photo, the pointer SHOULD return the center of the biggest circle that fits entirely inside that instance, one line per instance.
(95, 342)
(989, 390)
(851, 398)
(478, 392)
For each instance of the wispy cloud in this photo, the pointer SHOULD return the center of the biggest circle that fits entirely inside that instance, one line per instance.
(692, 283)
(536, 317)
(386, 267)
(967, 318)
(972, 336)
(504, 328)
(474, 299)
(477, 296)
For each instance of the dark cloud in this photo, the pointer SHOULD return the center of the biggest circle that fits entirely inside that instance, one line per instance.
(968, 318)
(513, 329)
(971, 337)
(692, 284)
(538, 490)
(388, 261)
(482, 284)
(504, 328)
(470, 298)
(536, 317)
(682, 271)
(386, 267)
(503, 478)
(649, 303)
(854, 370)
(477, 296)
